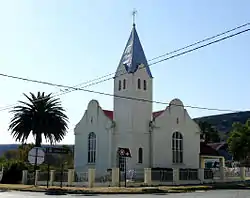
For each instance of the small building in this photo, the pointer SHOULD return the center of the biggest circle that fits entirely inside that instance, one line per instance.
(222, 149)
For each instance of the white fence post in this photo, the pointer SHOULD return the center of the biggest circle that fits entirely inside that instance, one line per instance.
(70, 177)
(91, 177)
(52, 177)
(243, 173)
(147, 176)
(37, 177)
(115, 177)
(25, 177)
(201, 175)
(176, 176)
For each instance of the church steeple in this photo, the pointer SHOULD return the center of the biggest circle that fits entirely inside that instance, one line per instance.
(133, 55)
(133, 83)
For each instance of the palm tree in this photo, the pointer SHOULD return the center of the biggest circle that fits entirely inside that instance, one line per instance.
(42, 116)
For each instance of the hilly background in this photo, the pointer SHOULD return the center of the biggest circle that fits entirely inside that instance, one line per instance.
(223, 122)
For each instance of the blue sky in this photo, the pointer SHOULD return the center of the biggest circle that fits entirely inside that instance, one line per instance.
(70, 42)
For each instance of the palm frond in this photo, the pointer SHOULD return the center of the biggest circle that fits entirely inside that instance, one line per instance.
(42, 115)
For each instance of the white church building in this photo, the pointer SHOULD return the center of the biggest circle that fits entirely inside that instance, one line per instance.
(167, 138)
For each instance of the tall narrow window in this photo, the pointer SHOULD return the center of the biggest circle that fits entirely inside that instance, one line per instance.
(119, 85)
(140, 155)
(124, 83)
(145, 85)
(139, 83)
(92, 147)
(177, 148)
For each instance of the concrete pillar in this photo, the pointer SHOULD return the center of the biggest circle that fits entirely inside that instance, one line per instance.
(147, 176)
(176, 176)
(222, 173)
(115, 177)
(37, 177)
(91, 177)
(222, 161)
(70, 177)
(202, 162)
(222, 169)
(243, 173)
(25, 177)
(52, 177)
(201, 175)
(73, 175)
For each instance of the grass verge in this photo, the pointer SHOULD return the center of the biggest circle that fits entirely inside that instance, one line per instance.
(122, 190)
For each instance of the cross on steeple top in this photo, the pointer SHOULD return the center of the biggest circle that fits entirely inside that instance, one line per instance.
(134, 13)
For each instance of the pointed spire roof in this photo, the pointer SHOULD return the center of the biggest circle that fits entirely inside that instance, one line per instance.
(133, 55)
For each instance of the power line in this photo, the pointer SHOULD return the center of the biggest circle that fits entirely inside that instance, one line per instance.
(144, 100)
(158, 102)
(183, 53)
(185, 47)
(201, 41)
(67, 89)
(123, 97)
(169, 53)
(196, 48)
(71, 88)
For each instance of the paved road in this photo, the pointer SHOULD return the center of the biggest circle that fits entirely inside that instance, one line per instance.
(209, 194)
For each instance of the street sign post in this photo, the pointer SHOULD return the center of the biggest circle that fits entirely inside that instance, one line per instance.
(36, 156)
(57, 150)
(124, 152)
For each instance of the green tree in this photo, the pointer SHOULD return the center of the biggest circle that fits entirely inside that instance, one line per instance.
(23, 151)
(41, 116)
(69, 158)
(239, 141)
(11, 154)
(208, 133)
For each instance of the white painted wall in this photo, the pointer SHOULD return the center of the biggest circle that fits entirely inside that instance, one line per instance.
(101, 127)
(132, 117)
(108, 139)
(166, 125)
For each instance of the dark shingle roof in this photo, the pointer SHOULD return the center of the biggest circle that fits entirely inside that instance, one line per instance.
(133, 55)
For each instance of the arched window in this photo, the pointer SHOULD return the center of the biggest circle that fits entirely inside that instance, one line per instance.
(139, 83)
(124, 83)
(140, 155)
(120, 85)
(177, 148)
(91, 147)
(145, 85)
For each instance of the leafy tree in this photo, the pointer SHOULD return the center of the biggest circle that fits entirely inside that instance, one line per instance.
(208, 133)
(42, 115)
(11, 154)
(23, 151)
(239, 141)
(56, 160)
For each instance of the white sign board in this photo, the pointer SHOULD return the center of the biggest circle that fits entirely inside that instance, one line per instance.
(36, 155)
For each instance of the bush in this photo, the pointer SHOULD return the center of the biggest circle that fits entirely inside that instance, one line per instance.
(13, 173)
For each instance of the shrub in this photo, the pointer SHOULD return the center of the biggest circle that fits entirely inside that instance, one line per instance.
(13, 173)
